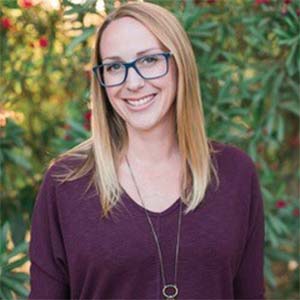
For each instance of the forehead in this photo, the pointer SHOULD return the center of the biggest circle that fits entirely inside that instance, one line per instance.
(125, 37)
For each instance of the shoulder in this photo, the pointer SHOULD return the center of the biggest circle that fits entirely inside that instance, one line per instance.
(64, 186)
(60, 169)
(61, 165)
(229, 158)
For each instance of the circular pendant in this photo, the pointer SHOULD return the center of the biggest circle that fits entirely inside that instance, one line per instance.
(170, 291)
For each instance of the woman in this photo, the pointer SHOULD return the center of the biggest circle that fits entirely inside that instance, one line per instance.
(148, 207)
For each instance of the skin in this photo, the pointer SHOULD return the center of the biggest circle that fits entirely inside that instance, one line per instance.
(152, 139)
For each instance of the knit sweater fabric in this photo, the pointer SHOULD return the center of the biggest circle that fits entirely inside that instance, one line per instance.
(76, 254)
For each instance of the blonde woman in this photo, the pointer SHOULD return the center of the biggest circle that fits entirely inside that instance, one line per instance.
(148, 207)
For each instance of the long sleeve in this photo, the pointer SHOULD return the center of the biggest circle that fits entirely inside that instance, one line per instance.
(48, 270)
(249, 280)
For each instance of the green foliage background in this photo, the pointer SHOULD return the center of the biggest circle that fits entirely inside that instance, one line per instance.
(248, 58)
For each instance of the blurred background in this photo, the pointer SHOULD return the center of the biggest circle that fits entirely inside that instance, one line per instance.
(248, 57)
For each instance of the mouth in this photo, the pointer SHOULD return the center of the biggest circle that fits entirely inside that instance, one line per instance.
(140, 102)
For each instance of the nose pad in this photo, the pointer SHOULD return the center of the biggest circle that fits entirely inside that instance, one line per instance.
(134, 80)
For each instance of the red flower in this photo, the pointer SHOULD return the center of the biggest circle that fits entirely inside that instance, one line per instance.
(287, 1)
(87, 120)
(296, 212)
(6, 23)
(88, 115)
(87, 126)
(26, 3)
(43, 41)
(298, 12)
(280, 204)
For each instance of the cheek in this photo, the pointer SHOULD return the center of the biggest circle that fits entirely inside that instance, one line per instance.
(112, 95)
(168, 84)
(172, 78)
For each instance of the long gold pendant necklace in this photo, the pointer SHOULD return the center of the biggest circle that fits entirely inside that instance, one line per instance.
(169, 291)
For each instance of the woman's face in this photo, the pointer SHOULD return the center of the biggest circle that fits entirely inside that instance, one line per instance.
(125, 40)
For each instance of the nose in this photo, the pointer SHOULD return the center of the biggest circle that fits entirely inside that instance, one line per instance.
(134, 81)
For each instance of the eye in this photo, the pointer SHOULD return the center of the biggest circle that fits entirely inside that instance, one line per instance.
(149, 59)
(113, 67)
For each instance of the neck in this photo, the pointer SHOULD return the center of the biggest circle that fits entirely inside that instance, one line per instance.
(153, 148)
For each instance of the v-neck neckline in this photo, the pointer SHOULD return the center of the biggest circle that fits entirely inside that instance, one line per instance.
(141, 209)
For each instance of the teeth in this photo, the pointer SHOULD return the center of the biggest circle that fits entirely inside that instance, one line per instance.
(141, 101)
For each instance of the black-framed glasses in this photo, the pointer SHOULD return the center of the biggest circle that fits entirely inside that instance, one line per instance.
(149, 67)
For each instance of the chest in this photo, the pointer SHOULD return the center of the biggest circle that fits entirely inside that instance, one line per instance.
(123, 247)
(158, 190)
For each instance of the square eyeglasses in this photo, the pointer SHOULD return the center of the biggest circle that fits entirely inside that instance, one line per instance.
(149, 67)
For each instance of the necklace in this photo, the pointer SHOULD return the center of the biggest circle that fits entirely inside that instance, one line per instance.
(169, 291)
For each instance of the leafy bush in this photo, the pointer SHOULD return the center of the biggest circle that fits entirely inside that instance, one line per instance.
(248, 58)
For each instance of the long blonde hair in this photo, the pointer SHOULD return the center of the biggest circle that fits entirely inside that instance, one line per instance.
(103, 152)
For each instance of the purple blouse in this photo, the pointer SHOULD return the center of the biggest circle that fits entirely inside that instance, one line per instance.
(75, 254)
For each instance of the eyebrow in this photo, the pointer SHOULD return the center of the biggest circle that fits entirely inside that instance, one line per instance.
(137, 54)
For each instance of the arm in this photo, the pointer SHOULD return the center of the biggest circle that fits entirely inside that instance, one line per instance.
(249, 280)
(48, 270)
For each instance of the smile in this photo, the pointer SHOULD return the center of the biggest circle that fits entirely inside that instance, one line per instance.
(141, 101)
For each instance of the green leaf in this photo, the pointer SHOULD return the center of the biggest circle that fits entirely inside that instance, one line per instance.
(273, 238)
(249, 20)
(279, 255)
(22, 248)
(267, 75)
(291, 106)
(18, 263)
(4, 233)
(281, 33)
(87, 32)
(19, 276)
(292, 53)
(15, 286)
(278, 225)
(78, 128)
(289, 41)
(190, 19)
(18, 160)
(256, 33)
(6, 294)
(269, 274)
(276, 88)
(194, 35)
(206, 26)
(293, 26)
(10, 3)
(72, 11)
(252, 150)
(270, 121)
(200, 45)
(224, 90)
(280, 128)
(267, 194)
